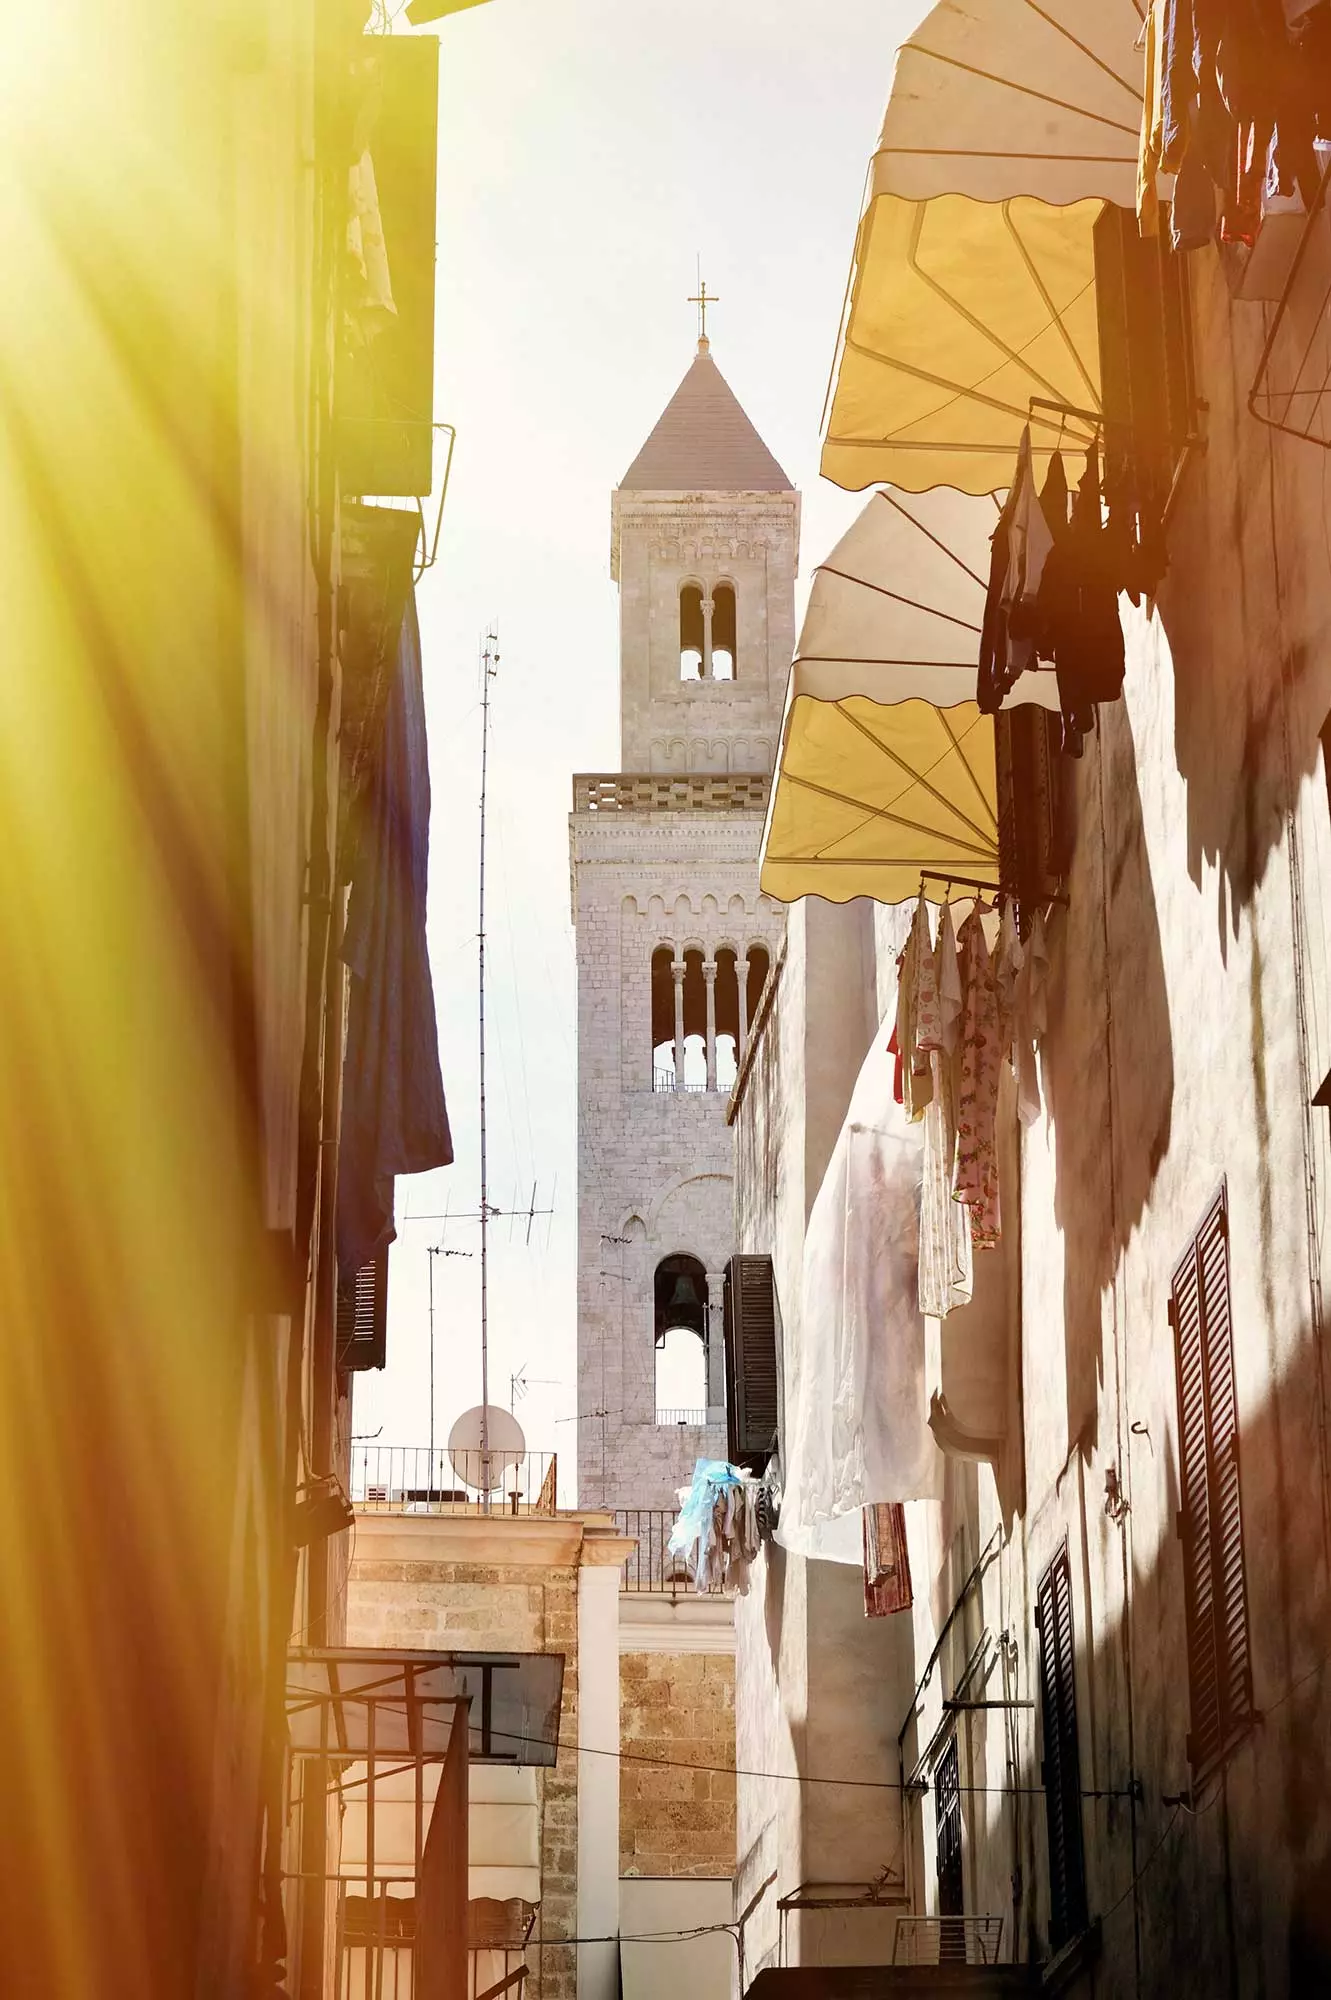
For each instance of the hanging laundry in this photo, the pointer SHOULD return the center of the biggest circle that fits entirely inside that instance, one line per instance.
(976, 1181)
(886, 1560)
(1031, 1021)
(946, 1274)
(717, 1528)
(1079, 623)
(916, 1076)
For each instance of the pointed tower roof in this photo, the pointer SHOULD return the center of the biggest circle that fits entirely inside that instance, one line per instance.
(704, 443)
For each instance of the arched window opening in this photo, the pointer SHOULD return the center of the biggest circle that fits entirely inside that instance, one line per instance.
(691, 633)
(723, 632)
(727, 1019)
(758, 968)
(663, 1019)
(681, 1379)
(680, 1321)
(695, 1022)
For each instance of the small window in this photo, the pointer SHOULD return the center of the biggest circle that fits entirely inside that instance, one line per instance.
(1062, 1760)
(723, 632)
(691, 633)
(1210, 1519)
(758, 969)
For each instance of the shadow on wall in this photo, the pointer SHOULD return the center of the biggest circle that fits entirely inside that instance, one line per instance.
(1103, 1086)
(1238, 1888)
(1246, 610)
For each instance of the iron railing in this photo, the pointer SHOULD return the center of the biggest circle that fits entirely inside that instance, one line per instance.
(948, 1941)
(412, 1479)
(697, 1418)
(663, 1082)
(652, 1568)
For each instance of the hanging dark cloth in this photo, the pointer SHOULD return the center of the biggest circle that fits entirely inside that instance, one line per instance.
(394, 1119)
(1080, 628)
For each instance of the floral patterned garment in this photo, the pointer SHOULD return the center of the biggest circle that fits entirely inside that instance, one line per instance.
(977, 1105)
(918, 1077)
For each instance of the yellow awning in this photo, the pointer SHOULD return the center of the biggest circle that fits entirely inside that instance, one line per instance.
(973, 289)
(886, 767)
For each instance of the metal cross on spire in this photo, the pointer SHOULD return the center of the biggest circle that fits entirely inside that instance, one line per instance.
(702, 298)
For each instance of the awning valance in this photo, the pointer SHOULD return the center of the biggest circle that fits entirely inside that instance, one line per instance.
(1007, 127)
(886, 768)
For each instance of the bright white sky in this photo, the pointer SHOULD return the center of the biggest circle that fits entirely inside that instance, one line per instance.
(589, 150)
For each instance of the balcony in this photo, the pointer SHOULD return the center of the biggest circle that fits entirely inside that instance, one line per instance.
(652, 1569)
(414, 1479)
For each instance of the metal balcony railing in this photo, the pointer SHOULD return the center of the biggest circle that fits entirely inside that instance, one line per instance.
(412, 1479)
(948, 1941)
(651, 1567)
(695, 1417)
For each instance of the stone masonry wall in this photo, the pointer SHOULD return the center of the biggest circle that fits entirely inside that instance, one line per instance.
(517, 1608)
(671, 1821)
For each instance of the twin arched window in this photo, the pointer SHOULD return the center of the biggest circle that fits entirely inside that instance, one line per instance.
(707, 632)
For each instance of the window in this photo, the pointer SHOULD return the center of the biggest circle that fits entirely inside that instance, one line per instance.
(1210, 1521)
(758, 969)
(692, 634)
(680, 1326)
(723, 632)
(951, 1888)
(727, 1019)
(1062, 1761)
(663, 1019)
(751, 1363)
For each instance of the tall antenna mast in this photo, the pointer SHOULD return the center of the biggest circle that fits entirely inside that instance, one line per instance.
(489, 668)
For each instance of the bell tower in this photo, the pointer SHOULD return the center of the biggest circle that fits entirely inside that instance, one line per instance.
(674, 940)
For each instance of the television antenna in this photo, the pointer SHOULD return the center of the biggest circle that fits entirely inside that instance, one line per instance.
(486, 1211)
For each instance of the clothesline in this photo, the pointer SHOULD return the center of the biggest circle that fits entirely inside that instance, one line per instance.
(992, 888)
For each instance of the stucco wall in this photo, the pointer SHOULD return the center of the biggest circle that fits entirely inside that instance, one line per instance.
(680, 1708)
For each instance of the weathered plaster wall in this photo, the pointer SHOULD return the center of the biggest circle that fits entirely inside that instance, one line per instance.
(679, 1707)
(1190, 1021)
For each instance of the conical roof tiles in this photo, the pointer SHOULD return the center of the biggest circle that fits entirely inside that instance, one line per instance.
(704, 443)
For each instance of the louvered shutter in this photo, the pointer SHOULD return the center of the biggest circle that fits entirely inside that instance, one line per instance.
(362, 1316)
(1210, 1518)
(1062, 1759)
(751, 1370)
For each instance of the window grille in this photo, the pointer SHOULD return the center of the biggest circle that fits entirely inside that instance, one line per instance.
(1210, 1522)
(1062, 1762)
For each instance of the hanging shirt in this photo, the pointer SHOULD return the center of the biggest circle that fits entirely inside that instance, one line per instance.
(1031, 1021)
(977, 1110)
(886, 1560)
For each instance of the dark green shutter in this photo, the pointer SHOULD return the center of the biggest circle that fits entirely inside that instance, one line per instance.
(362, 1317)
(1062, 1758)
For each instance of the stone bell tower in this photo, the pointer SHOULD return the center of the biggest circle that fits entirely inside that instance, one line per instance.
(674, 940)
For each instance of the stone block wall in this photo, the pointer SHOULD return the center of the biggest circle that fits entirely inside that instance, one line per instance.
(673, 1822)
(524, 1608)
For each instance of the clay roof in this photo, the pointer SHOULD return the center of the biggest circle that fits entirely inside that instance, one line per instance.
(704, 443)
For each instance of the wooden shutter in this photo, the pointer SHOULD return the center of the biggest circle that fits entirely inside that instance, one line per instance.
(751, 1372)
(1062, 1759)
(951, 1878)
(362, 1316)
(1210, 1518)
(1146, 385)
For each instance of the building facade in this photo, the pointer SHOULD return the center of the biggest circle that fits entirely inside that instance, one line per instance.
(1097, 1740)
(673, 938)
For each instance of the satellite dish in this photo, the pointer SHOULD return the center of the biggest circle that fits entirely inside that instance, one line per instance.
(505, 1448)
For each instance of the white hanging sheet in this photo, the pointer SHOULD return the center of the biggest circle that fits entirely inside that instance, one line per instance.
(857, 1410)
